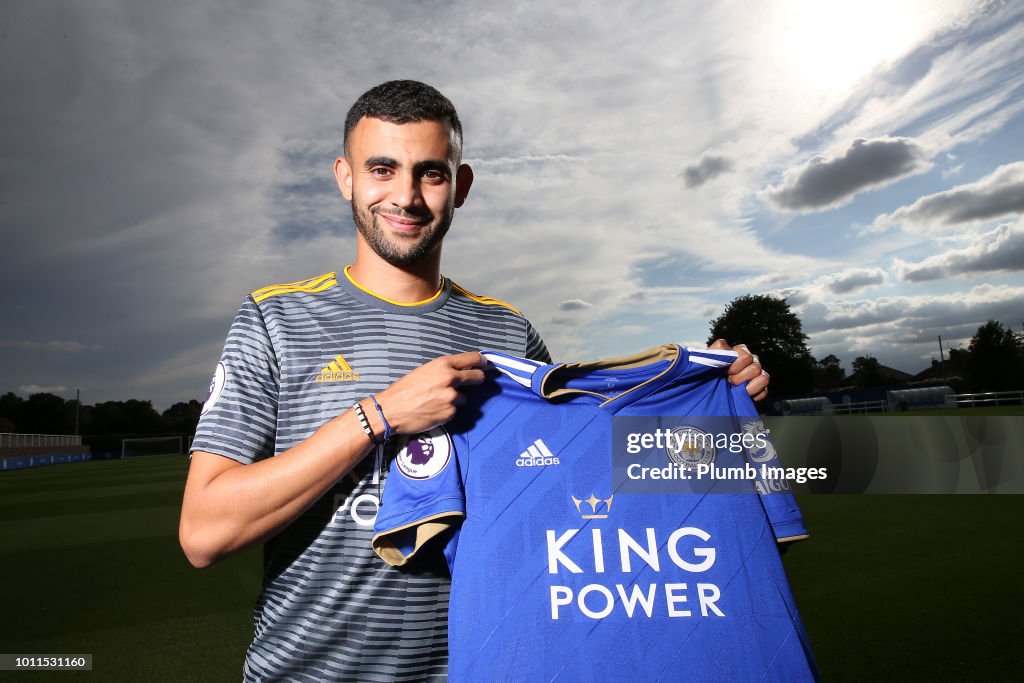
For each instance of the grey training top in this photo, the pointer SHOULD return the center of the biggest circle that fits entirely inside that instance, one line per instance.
(297, 356)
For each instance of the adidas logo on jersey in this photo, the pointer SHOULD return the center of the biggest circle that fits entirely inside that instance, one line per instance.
(338, 370)
(537, 455)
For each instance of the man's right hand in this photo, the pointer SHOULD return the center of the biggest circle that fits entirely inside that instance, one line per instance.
(429, 395)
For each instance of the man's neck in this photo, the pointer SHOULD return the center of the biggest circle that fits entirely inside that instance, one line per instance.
(407, 284)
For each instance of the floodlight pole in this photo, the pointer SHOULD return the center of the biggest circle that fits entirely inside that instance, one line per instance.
(942, 358)
(78, 405)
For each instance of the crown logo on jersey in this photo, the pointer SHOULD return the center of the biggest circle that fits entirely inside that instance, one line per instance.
(338, 370)
(594, 503)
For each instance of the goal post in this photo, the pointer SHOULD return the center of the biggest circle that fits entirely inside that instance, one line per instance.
(154, 445)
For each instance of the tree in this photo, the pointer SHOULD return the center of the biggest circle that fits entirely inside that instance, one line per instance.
(996, 360)
(47, 414)
(124, 417)
(12, 409)
(867, 371)
(182, 418)
(772, 331)
(828, 373)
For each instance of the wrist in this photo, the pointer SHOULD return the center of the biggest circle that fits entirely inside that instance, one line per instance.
(388, 431)
(389, 408)
(378, 427)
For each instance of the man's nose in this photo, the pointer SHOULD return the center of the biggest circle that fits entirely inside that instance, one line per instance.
(407, 192)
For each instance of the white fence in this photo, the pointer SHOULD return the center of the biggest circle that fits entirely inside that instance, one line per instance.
(990, 398)
(8, 440)
(950, 400)
(862, 407)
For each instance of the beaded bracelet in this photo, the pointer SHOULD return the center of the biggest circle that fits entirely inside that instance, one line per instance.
(365, 424)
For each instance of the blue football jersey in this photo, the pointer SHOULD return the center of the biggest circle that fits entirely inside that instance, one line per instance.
(562, 569)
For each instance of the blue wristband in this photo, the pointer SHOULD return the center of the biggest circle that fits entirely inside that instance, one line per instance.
(387, 427)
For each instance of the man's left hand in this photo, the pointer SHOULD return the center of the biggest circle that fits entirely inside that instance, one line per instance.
(746, 368)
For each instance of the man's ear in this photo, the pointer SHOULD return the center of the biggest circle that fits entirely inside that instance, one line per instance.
(343, 174)
(463, 181)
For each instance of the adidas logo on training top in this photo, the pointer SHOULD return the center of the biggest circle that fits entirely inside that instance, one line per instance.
(536, 455)
(338, 370)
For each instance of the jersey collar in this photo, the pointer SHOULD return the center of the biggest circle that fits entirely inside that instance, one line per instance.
(612, 382)
(357, 291)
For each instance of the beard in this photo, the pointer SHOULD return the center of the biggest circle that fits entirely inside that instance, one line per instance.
(401, 251)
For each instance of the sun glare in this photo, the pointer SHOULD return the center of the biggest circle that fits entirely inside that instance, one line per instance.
(824, 48)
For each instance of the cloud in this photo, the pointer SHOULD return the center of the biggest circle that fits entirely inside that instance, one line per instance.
(794, 296)
(56, 346)
(825, 288)
(959, 86)
(998, 194)
(853, 279)
(902, 331)
(827, 182)
(574, 305)
(981, 303)
(200, 174)
(1001, 249)
(708, 168)
(497, 164)
(29, 389)
(956, 170)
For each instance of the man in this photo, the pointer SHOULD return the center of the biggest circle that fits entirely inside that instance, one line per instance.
(315, 374)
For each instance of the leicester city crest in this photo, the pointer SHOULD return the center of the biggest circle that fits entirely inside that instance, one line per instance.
(424, 455)
(689, 447)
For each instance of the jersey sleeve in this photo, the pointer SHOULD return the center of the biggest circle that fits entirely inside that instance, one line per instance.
(535, 347)
(239, 416)
(421, 499)
(779, 503)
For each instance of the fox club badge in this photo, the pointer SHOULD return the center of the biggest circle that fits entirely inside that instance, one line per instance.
(689, 447)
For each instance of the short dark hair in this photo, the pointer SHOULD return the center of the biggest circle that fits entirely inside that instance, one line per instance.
(407, 102)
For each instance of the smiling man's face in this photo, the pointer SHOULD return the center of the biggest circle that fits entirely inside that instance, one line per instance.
(403, 186)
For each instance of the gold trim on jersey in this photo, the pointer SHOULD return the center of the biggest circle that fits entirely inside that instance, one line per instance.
(426, 529)
(486, 300)
(553, 384)
(791, 539)
(310, 286)
(375, 295)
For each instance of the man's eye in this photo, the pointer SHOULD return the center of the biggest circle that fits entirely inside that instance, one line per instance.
(433, 176)
(381, 171)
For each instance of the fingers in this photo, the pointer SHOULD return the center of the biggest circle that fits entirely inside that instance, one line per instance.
(464, 377)
(464, 361)
(428, 395)
(746, 368)
(467, 367)
(746, 364)
(757, 388)
(748, 373)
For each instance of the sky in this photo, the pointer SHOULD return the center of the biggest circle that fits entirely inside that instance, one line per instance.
(637, 167)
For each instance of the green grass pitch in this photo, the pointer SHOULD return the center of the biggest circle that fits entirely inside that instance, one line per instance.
(890, 587)
(90, 563)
